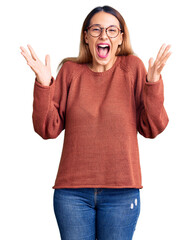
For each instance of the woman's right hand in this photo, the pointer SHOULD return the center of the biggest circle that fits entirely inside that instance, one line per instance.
(42, 72)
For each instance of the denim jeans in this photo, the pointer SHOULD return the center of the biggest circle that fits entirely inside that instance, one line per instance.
(96, 213)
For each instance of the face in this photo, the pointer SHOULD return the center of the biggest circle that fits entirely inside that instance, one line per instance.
(100, 56)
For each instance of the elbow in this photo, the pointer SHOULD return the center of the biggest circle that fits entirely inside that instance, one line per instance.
(47, 129)
(154, 129)
(42, 131)
(152, 135)
(162, 126)
(46, 133)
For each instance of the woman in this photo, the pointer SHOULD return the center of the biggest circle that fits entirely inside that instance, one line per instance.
(102, 99)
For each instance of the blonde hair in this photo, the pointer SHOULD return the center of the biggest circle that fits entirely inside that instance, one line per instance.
(84, 53)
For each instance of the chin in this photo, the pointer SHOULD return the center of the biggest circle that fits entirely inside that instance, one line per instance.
(104, 61)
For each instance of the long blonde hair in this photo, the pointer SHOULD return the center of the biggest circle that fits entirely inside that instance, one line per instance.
(84, 53)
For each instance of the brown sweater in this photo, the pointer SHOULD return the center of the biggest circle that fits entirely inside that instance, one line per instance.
(101, 112)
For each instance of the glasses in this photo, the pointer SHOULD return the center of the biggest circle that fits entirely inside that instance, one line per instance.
(111, 31)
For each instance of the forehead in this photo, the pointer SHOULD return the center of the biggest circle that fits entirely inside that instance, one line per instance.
(104, 19)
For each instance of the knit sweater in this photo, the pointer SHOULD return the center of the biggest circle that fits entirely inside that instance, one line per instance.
(101, 113)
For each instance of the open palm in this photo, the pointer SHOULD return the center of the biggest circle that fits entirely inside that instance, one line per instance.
(42, 72)
(155, 67)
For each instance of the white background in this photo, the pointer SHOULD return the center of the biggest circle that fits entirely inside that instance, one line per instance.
(29, 164)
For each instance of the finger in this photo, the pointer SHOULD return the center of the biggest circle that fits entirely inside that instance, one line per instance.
(25, 54)
(165, 53)
(47, 61)
(32, 65)
(28, 58)
(161, 50)
(22, 49)
(164, 62)
(33, 54)
(151, 62)
(161, 68)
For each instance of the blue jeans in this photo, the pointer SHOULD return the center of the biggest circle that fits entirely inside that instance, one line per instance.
(97, 213)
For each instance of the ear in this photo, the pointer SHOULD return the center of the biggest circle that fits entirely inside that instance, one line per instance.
(85, 37)
(121, 39)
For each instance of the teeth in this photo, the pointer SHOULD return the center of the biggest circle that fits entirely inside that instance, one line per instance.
(103, 46)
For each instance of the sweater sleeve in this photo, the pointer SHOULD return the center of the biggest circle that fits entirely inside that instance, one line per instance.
(151, 115)
(49, 103)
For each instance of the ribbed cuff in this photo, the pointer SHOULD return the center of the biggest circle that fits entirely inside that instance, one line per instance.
(40, 85)
(151, 83)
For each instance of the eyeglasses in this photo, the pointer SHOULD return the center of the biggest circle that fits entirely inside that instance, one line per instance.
(112, 31)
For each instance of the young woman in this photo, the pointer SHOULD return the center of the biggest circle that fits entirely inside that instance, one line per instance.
(102, 99)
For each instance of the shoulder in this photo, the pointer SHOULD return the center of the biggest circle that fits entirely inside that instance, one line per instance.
(70, 66)
(70, 69)
(131, 63)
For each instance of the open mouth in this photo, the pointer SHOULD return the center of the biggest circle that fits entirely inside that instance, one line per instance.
(103, 50)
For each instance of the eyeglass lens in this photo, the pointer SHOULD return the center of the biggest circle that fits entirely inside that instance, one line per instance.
(112, 31)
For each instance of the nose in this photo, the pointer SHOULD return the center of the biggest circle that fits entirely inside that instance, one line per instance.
(103, 34)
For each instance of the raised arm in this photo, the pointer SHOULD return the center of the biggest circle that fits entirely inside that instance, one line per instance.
(50, 98)
(152, 118)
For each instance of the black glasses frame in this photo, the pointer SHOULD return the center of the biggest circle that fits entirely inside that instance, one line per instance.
(120, 31)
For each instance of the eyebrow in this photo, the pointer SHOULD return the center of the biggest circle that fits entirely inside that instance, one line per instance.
(100, 25)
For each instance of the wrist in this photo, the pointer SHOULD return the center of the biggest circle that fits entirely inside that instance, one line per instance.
(46, 84)
(154, 80)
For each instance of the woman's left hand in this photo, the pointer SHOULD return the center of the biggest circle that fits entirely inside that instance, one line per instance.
(155, 68)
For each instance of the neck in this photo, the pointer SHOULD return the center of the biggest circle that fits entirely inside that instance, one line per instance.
(96, 67)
